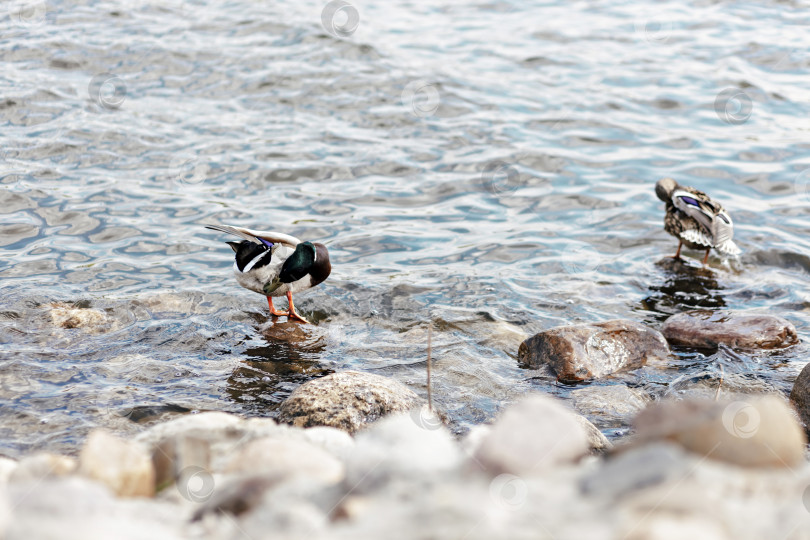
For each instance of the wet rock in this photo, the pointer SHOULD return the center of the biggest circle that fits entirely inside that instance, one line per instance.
(757, 432)
(285, 458)
(123, 466)
(42, 466)
(800, 396)
(617, 402)
(704, 329)
(348, 400)
(597, 441)
(532, 435)
(708, 384)
(174, 455)
(92, 320)
(399, 447)
(587, 351)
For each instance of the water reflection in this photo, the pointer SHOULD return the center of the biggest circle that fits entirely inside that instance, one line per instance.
(686, 286)
(291, 355)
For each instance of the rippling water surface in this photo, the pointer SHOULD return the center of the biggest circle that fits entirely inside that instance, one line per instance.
(487, 167)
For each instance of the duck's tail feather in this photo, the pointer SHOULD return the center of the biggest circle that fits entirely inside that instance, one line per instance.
(267, 238)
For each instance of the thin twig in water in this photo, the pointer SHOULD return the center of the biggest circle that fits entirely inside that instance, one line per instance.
(430, 394)
(720, 384)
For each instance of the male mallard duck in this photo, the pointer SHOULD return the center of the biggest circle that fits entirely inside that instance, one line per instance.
(275, 264)
(695, 219)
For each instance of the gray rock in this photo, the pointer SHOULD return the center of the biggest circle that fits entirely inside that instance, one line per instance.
(757, 432)
(587, 351)
(615, 402)
(532, 435)
(348, 400)
(800, 396)
(123, 466)
(708, 384)
(705, 329)
(597, 441)
(636, 469)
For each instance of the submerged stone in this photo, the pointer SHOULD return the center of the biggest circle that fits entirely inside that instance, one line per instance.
(586, 351)
(706, 329)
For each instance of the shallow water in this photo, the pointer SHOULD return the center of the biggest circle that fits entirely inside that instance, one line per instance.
(485, 167)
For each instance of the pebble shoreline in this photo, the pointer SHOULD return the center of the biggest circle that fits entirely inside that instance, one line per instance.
(358, 455)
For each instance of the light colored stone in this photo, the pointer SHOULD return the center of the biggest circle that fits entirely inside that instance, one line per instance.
(532, 435)
(636, 469)
(616, 402)
(76, 508)
(123, 466)
(284, 458)
(800, 396)
(347, 400)
(41, 466)
(335, 441)
(707, 329)
(398, 447)
(176, 454)
(7, 466)
(66, 315)
(757, 432)
(597, 441)
(586, 351)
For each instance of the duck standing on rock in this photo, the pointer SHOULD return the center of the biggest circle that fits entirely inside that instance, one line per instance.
(276, 264)
(695, 219)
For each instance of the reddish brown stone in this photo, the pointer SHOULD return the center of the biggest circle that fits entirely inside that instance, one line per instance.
(587, 351)
(705, 329)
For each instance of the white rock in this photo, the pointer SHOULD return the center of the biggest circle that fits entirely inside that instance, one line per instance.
(123, 466)
(397, 447)
(286, 458)
(335, 441)
(7, 466)
(40, 466)
(531, 435)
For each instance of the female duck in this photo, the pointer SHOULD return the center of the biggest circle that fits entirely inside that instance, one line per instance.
(695, 219)
(276, 264)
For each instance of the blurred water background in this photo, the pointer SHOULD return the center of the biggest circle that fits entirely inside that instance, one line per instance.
(487, 167)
